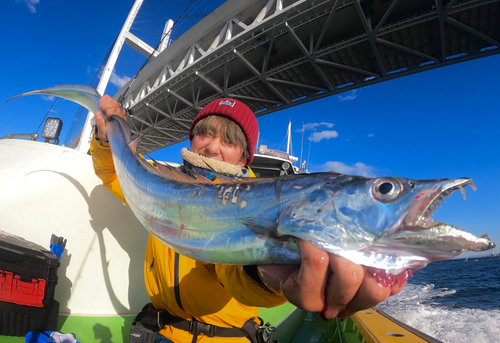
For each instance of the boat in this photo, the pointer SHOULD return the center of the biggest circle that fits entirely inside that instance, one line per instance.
(490, 256)
(274, 162)
(97, 289)
(104, 254)
(493, 255)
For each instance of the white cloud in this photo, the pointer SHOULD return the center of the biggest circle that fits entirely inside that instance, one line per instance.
(318, 136)
(371, 135)
(30, 3)
(349, 96)
(115, 79)
(312, 126)
(356, 169)
(48, 97)
(118, 81)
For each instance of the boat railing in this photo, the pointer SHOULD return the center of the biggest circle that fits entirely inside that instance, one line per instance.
(31, 136)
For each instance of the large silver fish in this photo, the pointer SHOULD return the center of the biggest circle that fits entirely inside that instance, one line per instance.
(381, 222)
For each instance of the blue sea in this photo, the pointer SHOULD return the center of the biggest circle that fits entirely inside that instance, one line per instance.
(453, 301)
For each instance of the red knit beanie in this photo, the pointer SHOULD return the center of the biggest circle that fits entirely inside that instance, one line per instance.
(234, 110)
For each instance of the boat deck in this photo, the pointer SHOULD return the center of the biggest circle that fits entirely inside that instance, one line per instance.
(292, 326)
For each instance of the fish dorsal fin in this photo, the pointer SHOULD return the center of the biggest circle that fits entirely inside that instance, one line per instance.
(154, 166)
(191, 172)
(134, 144)
(174, 174)
(164, 169)
(224, 179)
(221, 178)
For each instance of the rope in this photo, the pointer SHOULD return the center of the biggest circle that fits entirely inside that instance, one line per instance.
(165, 8)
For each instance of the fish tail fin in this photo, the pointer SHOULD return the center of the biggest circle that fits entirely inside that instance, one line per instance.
(83, 95)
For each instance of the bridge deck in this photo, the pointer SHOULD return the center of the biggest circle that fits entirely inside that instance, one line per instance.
(277, 54)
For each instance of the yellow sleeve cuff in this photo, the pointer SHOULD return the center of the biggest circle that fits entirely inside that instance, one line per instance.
(104, 168)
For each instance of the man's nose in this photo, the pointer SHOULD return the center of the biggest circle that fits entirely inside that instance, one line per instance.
(214, 146)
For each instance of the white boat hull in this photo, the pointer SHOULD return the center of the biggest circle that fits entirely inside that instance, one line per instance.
(47, 189)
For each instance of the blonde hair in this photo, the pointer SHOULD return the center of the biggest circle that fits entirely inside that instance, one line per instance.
(227, 130)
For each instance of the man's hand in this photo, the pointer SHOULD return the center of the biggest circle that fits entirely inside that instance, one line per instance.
(108, 106)
(326, 284)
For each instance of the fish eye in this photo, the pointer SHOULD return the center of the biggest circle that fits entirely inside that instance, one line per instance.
(386, 190)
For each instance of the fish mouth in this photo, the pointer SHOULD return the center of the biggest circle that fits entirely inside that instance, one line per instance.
(427, 202)
(417, 239)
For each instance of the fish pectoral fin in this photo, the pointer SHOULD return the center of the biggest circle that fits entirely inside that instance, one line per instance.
(261, 227)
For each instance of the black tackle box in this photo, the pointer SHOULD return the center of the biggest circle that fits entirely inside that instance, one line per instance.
(28, 277)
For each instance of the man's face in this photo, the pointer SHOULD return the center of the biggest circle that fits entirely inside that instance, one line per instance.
(209, 146)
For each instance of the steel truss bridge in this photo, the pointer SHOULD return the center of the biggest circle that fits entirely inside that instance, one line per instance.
(275, 54)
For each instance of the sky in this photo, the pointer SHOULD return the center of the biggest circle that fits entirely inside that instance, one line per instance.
(443, 123)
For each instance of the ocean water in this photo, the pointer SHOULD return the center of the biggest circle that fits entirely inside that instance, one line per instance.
(453, 301)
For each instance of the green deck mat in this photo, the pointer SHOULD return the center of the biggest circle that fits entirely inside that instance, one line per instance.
(90, 329)
(117, 329)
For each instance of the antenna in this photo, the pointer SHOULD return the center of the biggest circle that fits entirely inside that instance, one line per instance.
(308, 155)
(289, 136)
(302, 144)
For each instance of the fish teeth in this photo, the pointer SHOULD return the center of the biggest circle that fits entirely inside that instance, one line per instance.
(473, 186)
(436, 203)
(462, 190)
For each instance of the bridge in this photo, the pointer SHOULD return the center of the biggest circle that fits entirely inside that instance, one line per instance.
(275, 54)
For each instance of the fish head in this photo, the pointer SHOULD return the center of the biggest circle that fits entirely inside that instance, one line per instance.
(383, 206)
(367, 208)
(348, 211)
(418, 239)
(381, 222)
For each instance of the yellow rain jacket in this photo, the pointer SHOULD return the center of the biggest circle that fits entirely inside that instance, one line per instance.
(221, 295)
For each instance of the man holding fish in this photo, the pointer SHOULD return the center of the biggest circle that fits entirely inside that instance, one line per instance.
(223, 245)
(201, 302)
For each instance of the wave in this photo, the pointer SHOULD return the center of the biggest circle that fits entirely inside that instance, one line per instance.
(414, 306)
